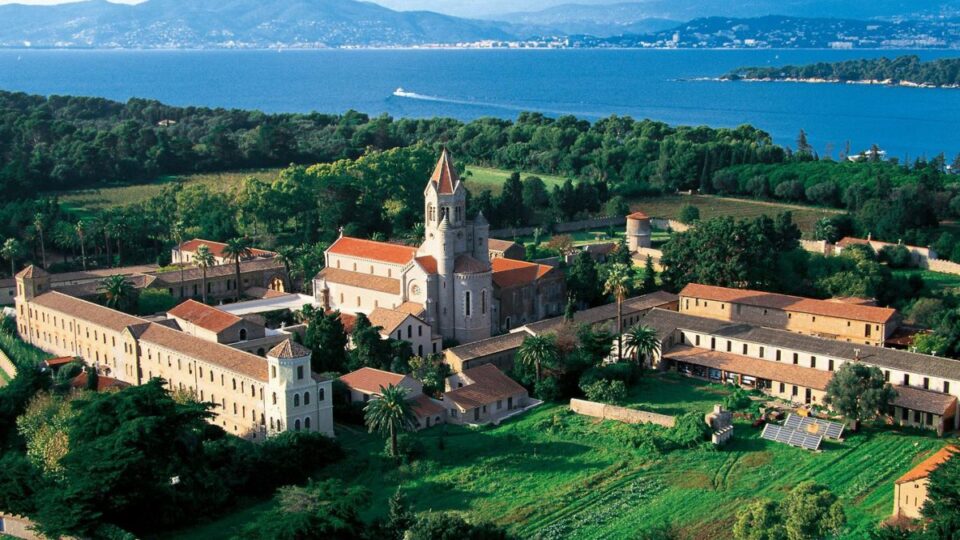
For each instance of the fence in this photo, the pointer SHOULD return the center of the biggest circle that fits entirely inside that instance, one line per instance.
(620, 414)
(559, 228)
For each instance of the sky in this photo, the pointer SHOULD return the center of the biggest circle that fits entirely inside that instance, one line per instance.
(462, 8)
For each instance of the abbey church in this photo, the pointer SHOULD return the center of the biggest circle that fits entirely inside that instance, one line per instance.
(450, 283)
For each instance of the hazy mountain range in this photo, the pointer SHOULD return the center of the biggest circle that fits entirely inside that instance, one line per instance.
(338, 23)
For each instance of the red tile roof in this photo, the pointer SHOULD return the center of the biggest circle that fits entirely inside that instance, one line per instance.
(216, 248)
(925, 467)
(638, 216)
(88, 311)
(495, 244)
(61, 361)
(362, 281)
(445, 176)
(414, 308)
(204, 316)
(428, 263)
(371, 380)
(348, 321)
(790, 303)
(489, 385)
(387, 319)
(424, 406)
(753, 367)
(512, 273)
(226, 357)
(465, 264)
(103, 382)
(370, 249)
(289, 349)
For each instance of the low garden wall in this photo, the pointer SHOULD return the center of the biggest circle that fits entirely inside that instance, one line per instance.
(17, 527)
(559, 228)
(940, 265)
(620, 414)
(669, 224)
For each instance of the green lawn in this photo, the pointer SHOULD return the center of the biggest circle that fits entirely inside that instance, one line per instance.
(134, 192)
(480, 178)
(935, 281)
(552, 474)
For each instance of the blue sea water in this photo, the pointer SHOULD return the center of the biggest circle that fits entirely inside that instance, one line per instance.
(466, 84)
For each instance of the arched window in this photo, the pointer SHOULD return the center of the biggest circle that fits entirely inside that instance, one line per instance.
(306, 398)
(420, 351)
(466, 302)
(296, 424)
(273, 372)
(274, 398)
(296, 400)
(320, 394)
(483, 302)
(306, 423)
(243, 334)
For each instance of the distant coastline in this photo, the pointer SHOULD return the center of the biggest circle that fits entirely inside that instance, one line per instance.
(904, 71)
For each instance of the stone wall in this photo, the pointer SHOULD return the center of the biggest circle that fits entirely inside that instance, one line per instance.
(561, 228)
(7, 366)
(17, 527)
(620, 414)
(817, 246)
(669, 225)
(640, 257)
(940, 265)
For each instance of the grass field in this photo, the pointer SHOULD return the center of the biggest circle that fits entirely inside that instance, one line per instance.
(480, 178)
(551, 474)
(123, 194)
(935, 281)
(710, 206)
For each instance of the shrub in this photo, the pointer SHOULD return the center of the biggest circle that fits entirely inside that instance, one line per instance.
(409, 448)
(152, 301)
(825, 193)
(737, 401)
(895, 256)
(604, 391)
(790, 190)
(547, 389)
(689, 214)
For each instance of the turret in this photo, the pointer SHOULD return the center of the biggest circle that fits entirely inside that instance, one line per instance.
(32, 281)
(481, 239)
(289, 379)
(638, 231)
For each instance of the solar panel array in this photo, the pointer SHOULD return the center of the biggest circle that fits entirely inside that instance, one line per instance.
(830, 430)
(800, 439)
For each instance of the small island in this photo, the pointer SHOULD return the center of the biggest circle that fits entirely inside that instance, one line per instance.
(901, 71)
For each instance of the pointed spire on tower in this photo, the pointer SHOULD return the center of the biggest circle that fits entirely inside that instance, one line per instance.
(445, 176)
(481, 220)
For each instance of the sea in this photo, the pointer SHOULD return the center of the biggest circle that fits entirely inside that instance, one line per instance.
(679, 87)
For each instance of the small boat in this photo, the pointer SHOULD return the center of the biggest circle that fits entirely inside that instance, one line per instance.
(400, 92)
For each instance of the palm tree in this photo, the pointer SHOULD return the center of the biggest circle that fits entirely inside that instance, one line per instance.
(287, 256)
(416, 234)
(390, 413)
(237, 249)
(176, 231)
(618, 284)
(11, 250)
(38, 225)
(117, 291)
(538, 351)
(641, 341)
(81, 231)
(203, 259)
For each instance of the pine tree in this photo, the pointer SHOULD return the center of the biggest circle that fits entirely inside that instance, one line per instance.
(649, 276)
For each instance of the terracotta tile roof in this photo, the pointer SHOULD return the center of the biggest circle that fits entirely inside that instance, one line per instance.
(204, 316)
(246, 266)
(466, 264)
(428, 263)
(753, 367)
(922, 400)
(103, 382)
(494, 244)
(32, 272)
(61, 361)
(847, 241)
(226, 357)
(489, 385)
(606, 312)
(348, 321)
(92, 288)
(925, 467)
(388, 319)
(424, 406)
(445, 176)
(363, 281)
(373, 250)
(414, 308)
(88, 311)
(512, 273)
(486, 347)
(638, 215)
(371, 380)
(216, 248)
(790, 303)
(289, 349)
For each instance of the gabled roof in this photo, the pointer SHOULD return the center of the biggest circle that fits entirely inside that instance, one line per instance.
(428, 263)
(362, 281)
(387, 319)
(754, 367)
(927, 466)
(512, 273)
(220, 270)
(918, 399)
(495, 244)
(103, 382)
(370, 380)
(32, 271)
(414, 308)
(229, 358)
(445, 176)
(786, 302)
(88, 311)
(373, 250)
(489, 385)
(424, 406)
(216, 248)
(289, 349)
(604, 313)
(204, 316)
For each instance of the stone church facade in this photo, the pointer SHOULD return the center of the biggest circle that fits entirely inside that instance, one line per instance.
(448, 282)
